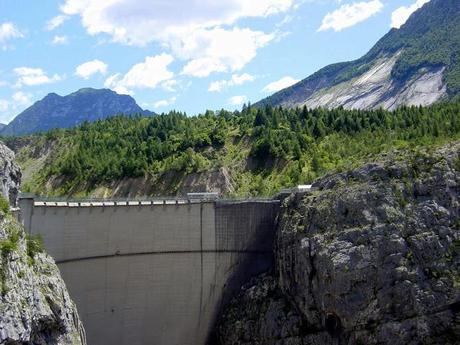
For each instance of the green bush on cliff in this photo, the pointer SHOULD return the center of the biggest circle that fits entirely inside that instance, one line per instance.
(4, 206)
(34, 246)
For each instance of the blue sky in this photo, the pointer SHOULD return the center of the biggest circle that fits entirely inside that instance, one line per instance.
(189, 55)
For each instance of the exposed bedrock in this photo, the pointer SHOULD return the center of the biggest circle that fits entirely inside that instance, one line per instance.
(35, 307)
(373, 257)
(377, 89)
(10, 175)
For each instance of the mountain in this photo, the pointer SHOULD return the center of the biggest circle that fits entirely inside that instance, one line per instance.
(55, 111)
(417, 64)
(2, 125)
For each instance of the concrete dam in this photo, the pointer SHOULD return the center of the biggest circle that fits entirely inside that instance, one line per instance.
(154, 272)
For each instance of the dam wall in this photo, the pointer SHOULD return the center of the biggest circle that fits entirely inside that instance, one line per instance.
(154, 272)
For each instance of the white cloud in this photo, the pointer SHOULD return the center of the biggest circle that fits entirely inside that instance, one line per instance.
(4, 105)
(196, 31)
(87, 69)
(170, 85)
(236, 79)
(350, 14)
(21, 99)
(58, 40)
(9, 31)
(219, 50)
(237, 100)
(9, 108)
(33, 76)
(55, 22)
(164, 103)
(147, 74)
(401, 14)
(280, 84)
(139, 22)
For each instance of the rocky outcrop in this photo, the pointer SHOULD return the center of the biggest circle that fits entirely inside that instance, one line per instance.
(35, 307)
(377, 89)
(372, 257)
(10, 175)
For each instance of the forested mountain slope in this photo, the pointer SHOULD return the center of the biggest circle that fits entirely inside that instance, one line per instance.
(247, 153)
(417, 64)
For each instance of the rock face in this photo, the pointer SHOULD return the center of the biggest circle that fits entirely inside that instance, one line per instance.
(10, 175)
(35, 307)
(372, 257)
(377, 89)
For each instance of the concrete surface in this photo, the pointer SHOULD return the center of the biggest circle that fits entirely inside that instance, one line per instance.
(153, 272)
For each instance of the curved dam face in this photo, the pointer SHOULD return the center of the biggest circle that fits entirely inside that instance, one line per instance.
(154, 272)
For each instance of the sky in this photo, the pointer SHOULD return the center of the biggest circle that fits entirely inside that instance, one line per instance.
(188, 55)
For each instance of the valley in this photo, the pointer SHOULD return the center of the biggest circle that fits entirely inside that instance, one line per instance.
(326, 213)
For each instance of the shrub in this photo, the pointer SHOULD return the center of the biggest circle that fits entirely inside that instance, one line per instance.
(4, 206)
(34, 246)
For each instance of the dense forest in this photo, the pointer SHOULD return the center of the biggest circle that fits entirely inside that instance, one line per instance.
(262, 149)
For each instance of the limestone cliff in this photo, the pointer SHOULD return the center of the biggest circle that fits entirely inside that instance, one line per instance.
(10, 175)
(372, 257)
(35, 307)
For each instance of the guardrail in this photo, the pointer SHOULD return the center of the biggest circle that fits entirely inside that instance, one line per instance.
(192, 198)
(106, 203)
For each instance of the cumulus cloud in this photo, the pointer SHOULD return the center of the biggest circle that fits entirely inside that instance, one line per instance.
(87, 69)
(22, 99)
(9, 31)
(350, 14)
(219, 50)
(200, 34)
(8, 108)
(402, 14)
(59, 40)
(33, 76)
(236, 79)
(148, 74)
(237, 100)
(142, 21)
(4, 105)
(164, 103)
(170, 85)
(55, 22)
(280, 84)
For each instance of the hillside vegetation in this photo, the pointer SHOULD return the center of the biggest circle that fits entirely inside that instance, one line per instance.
(249, 153)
